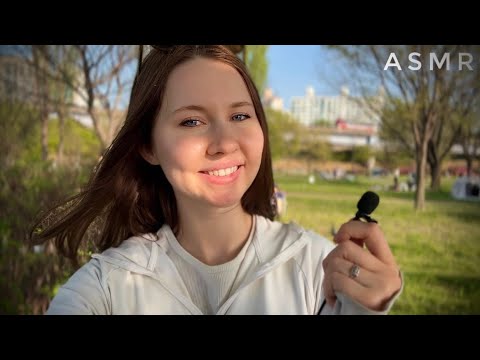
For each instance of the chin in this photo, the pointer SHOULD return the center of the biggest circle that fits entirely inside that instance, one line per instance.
(225, 201)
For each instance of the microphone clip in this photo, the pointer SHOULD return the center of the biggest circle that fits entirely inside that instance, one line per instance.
(360, 215)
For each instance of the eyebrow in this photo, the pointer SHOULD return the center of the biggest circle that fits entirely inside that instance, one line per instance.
(201, 108)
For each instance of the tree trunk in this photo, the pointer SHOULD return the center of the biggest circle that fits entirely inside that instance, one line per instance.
(435, 175)
(41, 97)
(469, 160)
(44, 117)
(421, 161)
(61, 135)
(435, 165)
(98, 133)
(44, 120)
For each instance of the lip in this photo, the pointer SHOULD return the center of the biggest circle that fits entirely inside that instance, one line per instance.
(222, 180)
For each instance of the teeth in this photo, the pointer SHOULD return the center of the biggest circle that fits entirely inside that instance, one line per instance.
(223, 172)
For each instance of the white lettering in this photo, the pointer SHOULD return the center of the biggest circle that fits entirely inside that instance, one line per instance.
(394, 58)
(464, 60)
(433, 58)
(415, 61)
(461, 62)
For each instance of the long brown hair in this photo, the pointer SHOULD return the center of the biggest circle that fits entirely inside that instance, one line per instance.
(129, 195)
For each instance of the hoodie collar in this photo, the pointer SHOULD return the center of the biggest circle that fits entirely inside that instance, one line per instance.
(273, 241)
(274, 244)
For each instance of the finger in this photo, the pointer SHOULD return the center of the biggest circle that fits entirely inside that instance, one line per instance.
(371, 234)
(350, 251)
(364, 277)
(358, 241)
(328, 291)
(353, 290)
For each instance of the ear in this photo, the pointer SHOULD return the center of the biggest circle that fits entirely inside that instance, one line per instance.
(148, 156)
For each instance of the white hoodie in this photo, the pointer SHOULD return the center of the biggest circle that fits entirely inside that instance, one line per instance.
(138, 277)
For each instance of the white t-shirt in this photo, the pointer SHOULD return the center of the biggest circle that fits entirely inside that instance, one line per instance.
(209, 286)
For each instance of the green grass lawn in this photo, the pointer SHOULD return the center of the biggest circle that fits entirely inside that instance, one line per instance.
(438, 249)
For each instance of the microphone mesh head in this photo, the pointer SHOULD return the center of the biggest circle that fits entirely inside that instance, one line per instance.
(368, 202)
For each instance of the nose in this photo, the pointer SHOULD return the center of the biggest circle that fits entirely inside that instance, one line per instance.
(223, 139)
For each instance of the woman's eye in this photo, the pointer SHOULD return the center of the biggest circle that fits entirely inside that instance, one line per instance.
(240, 117)
(191, 123)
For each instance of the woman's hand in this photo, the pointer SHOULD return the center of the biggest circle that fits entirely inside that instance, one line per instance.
(378, 278)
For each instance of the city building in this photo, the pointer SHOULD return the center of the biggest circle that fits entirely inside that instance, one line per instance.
(313, 109)
(270, 100)
(18, 84)
(17, 81)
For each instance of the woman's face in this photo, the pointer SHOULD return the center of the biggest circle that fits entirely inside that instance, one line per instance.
(207, 137)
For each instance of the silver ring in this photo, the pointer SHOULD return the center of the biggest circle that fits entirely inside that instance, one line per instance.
(354, 271)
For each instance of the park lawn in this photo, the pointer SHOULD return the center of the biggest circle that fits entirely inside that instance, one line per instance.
(438, 250)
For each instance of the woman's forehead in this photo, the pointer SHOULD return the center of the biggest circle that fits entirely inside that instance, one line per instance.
(201, 81)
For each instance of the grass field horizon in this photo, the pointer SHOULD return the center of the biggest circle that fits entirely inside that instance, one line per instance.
(438, 250)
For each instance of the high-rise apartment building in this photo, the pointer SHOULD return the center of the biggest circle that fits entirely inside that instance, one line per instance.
(311, 108)
(16, 79)
(270, 100)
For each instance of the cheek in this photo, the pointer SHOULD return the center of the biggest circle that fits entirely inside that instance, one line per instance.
(254, 143)
(178, 152)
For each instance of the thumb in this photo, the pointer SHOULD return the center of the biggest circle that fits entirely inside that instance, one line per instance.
(342, 236)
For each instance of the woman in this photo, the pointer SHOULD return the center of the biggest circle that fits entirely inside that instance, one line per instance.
(185, 194)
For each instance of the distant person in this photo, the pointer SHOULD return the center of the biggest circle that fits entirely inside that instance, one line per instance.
(459, 188)
(280, 201)
(396, 177)
(411, 182)
(185, 195)
(475, 190)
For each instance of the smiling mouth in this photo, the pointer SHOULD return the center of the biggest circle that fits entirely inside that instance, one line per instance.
(222, 172)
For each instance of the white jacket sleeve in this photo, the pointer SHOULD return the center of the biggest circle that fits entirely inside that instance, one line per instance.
(347, 306)
(85, 293)
(344, 305)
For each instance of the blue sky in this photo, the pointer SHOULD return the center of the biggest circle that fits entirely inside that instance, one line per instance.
(294, 67)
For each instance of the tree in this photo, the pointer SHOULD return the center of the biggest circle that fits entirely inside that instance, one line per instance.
(396, 150)
(285, 134)
(59, 74)
(422, 96)
(27, 184)
(103, 85)
(90, 79)
(62, 60)
(462, 92)
(361, 154)
(18, 129)
(445, 133)
(323, 123)
(98, 77)
(470, 138)
(255, 57)
(41, 93)
(314, 149)
(39, 78)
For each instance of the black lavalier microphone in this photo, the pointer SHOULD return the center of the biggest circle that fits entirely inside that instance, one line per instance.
(366, 205)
